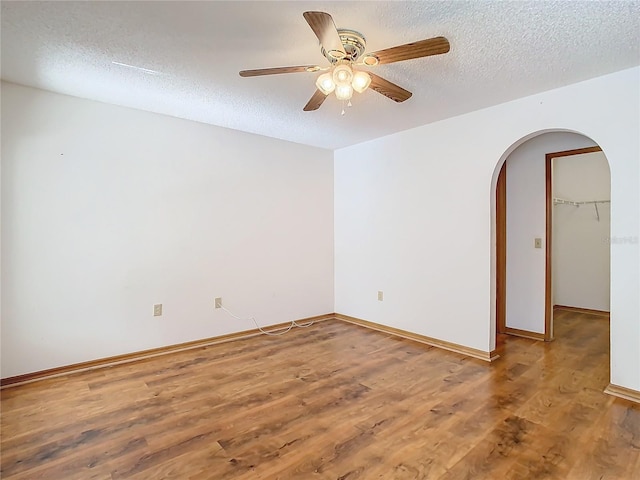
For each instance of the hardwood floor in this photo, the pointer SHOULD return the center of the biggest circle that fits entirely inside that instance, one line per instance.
(333, 401)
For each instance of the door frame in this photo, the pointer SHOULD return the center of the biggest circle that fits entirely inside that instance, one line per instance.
(501, 250)
(501, 246)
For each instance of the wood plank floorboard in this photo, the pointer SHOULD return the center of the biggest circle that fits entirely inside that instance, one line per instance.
(333, 401)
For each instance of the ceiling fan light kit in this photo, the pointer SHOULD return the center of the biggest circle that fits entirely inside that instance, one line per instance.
(344, 81)
(344, 49)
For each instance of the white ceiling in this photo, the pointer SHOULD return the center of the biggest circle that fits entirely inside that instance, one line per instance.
(500, 50)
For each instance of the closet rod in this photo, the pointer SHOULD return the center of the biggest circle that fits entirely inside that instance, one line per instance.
(557, 201)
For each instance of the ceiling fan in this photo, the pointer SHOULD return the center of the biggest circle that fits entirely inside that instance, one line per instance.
(345, 49)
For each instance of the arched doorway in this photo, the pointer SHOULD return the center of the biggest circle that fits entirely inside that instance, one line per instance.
(527, 310)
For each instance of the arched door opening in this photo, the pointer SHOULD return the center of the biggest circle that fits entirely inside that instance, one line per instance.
(523, 233)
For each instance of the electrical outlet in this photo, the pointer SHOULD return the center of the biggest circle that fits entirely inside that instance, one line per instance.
(157, 310)
(537, 243)
(380, 296)
(218, 302)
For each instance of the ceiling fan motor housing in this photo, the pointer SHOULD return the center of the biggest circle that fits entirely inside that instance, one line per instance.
(354, 44)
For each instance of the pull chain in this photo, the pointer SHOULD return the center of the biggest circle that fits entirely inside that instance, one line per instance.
(348, 105)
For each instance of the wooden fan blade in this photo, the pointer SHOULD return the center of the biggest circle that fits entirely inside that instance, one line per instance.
(423, 48)
(314, 103)
(322, 25)
(388, 89)
(277, 70)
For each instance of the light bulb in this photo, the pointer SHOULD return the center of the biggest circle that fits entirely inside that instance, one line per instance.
(325, 83)
(361, 81)
(342, 74)
(344, 92)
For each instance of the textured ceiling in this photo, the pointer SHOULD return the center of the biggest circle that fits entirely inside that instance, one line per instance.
(500, 50)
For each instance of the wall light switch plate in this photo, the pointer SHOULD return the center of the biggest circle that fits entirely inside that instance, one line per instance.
(537, 243)
(380, 296)
(157, 310)
(218, 302)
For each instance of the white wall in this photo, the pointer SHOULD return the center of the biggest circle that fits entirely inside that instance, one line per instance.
(526, 220)
(413, 215)
(580, 253)
(108, 210)
(142, 209)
